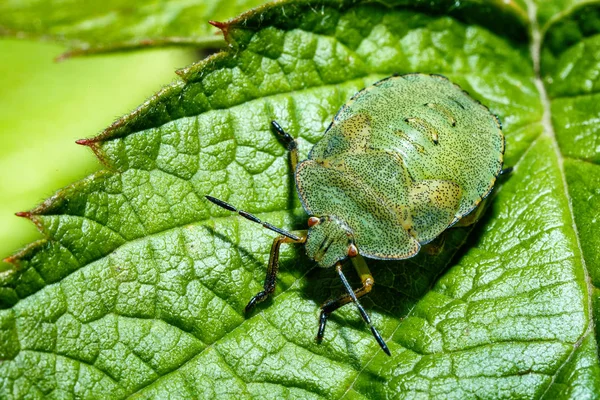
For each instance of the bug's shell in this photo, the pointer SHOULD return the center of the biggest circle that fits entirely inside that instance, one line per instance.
(402, 161)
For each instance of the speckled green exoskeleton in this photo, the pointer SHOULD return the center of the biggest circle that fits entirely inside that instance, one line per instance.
(402, 161)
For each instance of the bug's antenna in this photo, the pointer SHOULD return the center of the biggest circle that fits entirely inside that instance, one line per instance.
(251, 217)
(362, 311)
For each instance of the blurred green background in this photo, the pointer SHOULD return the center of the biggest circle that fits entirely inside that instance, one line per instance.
(45, 106)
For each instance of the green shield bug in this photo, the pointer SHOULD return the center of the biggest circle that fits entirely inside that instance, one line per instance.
(402, 161)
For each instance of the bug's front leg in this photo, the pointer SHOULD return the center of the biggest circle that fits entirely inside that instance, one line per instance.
(352, 296)
(272, 269)
(290, 144)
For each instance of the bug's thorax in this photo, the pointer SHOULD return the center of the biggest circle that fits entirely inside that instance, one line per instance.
(329, 240)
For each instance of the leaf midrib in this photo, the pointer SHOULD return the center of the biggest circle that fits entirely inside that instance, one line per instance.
(535, 51)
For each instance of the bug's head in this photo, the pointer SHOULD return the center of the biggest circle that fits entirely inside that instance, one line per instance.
(329, 241)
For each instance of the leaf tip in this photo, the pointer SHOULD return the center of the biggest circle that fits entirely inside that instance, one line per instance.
(67, 55)
(8, 260)
(217, 24)
(85, 142)
(23, 214)
(222, 26)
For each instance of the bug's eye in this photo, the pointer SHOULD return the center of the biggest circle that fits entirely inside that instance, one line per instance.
(352, 251)
(312, 221)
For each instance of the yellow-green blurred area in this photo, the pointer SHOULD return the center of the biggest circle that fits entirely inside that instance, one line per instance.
(45, 106)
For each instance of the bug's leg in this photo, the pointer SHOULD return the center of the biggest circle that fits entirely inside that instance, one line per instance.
(286, 237)
(290, 144)
(506, 171)
(476, 214)
(352, 296)
(436, 246)
(272, 269)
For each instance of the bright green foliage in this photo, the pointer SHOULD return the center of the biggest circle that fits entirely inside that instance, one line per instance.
(109, 25)
(32, 83)
(139, 287)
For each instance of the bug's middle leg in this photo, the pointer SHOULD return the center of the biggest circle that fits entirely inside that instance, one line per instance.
(477, 213)
(330, 306)
(272, 270)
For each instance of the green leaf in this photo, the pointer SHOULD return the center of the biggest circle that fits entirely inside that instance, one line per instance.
(33, 84)
(104, 26)
(139, 287)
